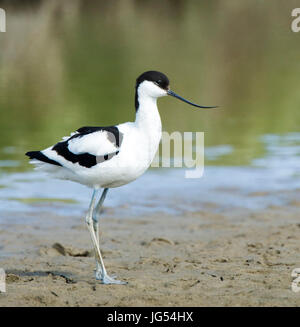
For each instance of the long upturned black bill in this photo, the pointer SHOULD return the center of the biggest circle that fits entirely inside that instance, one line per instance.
(173, 94)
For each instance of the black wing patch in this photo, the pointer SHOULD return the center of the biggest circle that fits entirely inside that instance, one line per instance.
(114, 135)
(86, 159)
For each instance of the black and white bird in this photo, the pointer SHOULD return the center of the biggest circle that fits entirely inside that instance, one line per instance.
(108, 157)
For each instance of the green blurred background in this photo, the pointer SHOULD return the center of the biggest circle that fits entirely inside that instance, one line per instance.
(70, 63)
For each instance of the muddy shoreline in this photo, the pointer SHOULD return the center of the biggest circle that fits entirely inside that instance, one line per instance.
(236, 257)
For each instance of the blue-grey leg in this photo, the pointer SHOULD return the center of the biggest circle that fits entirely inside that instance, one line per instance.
(96, 215)
(97, 212)
(92, 224)
(89, 223)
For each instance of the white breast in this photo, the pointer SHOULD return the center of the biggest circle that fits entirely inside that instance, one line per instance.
(136, 155)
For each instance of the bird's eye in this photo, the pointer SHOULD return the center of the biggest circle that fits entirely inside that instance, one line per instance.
(159, 81)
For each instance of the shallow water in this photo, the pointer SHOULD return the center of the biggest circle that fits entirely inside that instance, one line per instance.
(268, 180)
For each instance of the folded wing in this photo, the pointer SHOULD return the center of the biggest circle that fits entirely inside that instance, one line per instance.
(88, 146)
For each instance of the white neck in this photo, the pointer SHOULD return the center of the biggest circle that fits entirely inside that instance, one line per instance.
(148, 122)
(147, 115)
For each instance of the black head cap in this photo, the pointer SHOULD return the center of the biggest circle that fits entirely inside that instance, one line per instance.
(158, 78)
(153, 76)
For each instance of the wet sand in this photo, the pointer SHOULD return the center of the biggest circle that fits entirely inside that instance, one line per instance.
(233, 257)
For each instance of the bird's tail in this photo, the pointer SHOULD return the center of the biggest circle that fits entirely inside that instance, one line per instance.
(38, 155)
